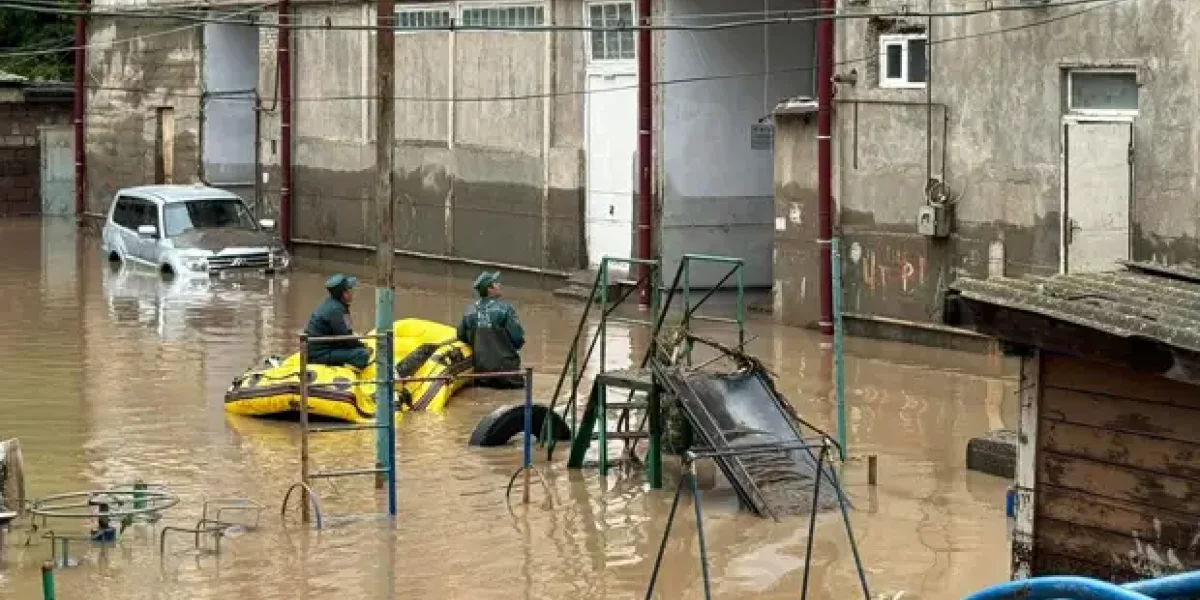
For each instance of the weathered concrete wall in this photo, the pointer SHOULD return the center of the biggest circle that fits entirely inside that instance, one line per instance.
(997, 103)
(471, 175)
(20, 151)
(797, 269)
(134, 67)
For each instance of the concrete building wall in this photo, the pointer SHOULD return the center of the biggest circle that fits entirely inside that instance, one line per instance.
(20, 150)
(472, 175)
(717, 187)
(136, 66)
(992, 133)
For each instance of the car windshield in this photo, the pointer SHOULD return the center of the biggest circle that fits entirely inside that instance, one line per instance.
(222, 213)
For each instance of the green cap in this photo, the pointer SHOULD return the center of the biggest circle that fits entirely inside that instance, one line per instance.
(485, 281)
(337, 283)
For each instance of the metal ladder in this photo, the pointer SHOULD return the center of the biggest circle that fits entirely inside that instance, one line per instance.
(643, 395)
(385, 422)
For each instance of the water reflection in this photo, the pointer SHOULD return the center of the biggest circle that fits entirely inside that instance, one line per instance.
(113, 374)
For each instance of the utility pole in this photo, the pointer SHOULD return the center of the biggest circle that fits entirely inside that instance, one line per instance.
(385, 123)
(825, 64)
(645, 149)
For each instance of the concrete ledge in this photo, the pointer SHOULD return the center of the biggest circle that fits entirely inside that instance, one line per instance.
(912, 332)
(994, 453)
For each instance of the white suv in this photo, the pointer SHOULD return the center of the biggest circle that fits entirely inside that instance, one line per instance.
(190, 230)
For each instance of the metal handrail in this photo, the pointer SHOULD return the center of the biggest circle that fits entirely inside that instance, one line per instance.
(388, 426)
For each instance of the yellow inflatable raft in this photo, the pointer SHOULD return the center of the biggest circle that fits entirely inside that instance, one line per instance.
(423, 349)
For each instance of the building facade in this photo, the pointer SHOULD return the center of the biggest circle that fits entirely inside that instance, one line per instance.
(513, 148)
(1029, 138)
(35, 147)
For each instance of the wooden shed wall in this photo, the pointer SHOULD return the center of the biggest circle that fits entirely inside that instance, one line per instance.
(1118, 472)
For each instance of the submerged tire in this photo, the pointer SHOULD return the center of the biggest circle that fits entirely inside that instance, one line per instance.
(507, 422)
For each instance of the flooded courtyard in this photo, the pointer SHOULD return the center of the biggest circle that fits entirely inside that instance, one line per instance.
(112, 374)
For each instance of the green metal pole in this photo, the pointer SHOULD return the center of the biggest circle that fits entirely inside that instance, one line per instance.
(654, 453)
(687, 305)
(741, 308)
(601, 400)
(385, 415)
(839, 375)
(47, 581)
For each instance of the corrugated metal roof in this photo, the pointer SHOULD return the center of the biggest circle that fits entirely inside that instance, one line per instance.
(1142, 300)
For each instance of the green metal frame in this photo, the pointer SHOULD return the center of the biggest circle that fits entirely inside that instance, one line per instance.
(599, 293)
(737, 266)
(594, 423)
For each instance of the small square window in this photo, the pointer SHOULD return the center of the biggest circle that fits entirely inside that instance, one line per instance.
(903, 61)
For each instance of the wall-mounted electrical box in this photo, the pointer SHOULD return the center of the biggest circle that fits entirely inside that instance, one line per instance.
(932, 221)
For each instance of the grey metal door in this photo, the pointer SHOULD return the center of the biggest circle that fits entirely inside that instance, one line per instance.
(1099, 181)
(58, 171)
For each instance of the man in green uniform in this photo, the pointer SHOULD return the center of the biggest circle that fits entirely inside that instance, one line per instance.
(490, 326)
(332, 317)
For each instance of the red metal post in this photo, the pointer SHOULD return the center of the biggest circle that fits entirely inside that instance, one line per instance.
(825, 63)
(284, 64)
(78, 109)
(645, 147)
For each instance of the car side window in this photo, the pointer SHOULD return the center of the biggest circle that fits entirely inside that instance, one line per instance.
(122, 214)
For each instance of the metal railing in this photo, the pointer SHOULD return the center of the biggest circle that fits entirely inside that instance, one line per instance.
(575, 365)
(385, 422)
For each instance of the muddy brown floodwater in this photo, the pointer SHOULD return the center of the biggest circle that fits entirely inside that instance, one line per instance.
(109, 374)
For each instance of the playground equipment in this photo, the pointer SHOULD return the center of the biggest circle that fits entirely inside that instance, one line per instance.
(822, 445)
(121, 505)
(386, 426)
(1180, 586)
(642, 394)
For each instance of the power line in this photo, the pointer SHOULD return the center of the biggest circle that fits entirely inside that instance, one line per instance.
(135, 38)
(787, 19)
(660, 83)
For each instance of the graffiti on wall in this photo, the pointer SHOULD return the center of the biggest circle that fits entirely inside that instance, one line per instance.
(887, 269)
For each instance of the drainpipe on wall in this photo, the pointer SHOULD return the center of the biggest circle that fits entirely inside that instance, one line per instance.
(78, 110)
(284, 66)
(645, 148)
(825, 62)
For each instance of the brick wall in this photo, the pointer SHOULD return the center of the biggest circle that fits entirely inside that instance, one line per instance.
(20, 154)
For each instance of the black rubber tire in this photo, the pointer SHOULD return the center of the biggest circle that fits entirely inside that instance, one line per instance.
(507, 422)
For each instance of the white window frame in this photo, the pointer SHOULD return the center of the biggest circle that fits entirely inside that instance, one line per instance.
(903, 41)
(463, 7)
(1108, 114)
(413, 9)
(587, 19)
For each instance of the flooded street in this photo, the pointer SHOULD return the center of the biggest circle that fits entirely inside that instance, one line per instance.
(110, 374)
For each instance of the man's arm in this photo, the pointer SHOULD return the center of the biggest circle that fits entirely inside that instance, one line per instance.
(335, 324)
(464, 329)
(516, 333)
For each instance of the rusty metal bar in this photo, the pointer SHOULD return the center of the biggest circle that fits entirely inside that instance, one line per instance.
(304, 479)
(336, 428)
(345, 473)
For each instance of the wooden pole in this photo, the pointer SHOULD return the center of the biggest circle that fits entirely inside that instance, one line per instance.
(385, 122)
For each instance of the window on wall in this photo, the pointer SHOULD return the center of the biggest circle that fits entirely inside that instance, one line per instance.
(514, 15)
(903, 61)
(422, 18)
(1102, 92)
(611, 45)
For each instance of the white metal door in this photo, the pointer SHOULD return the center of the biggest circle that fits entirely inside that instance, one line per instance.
(58, 171)
(611, 148)
(1098, 180)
